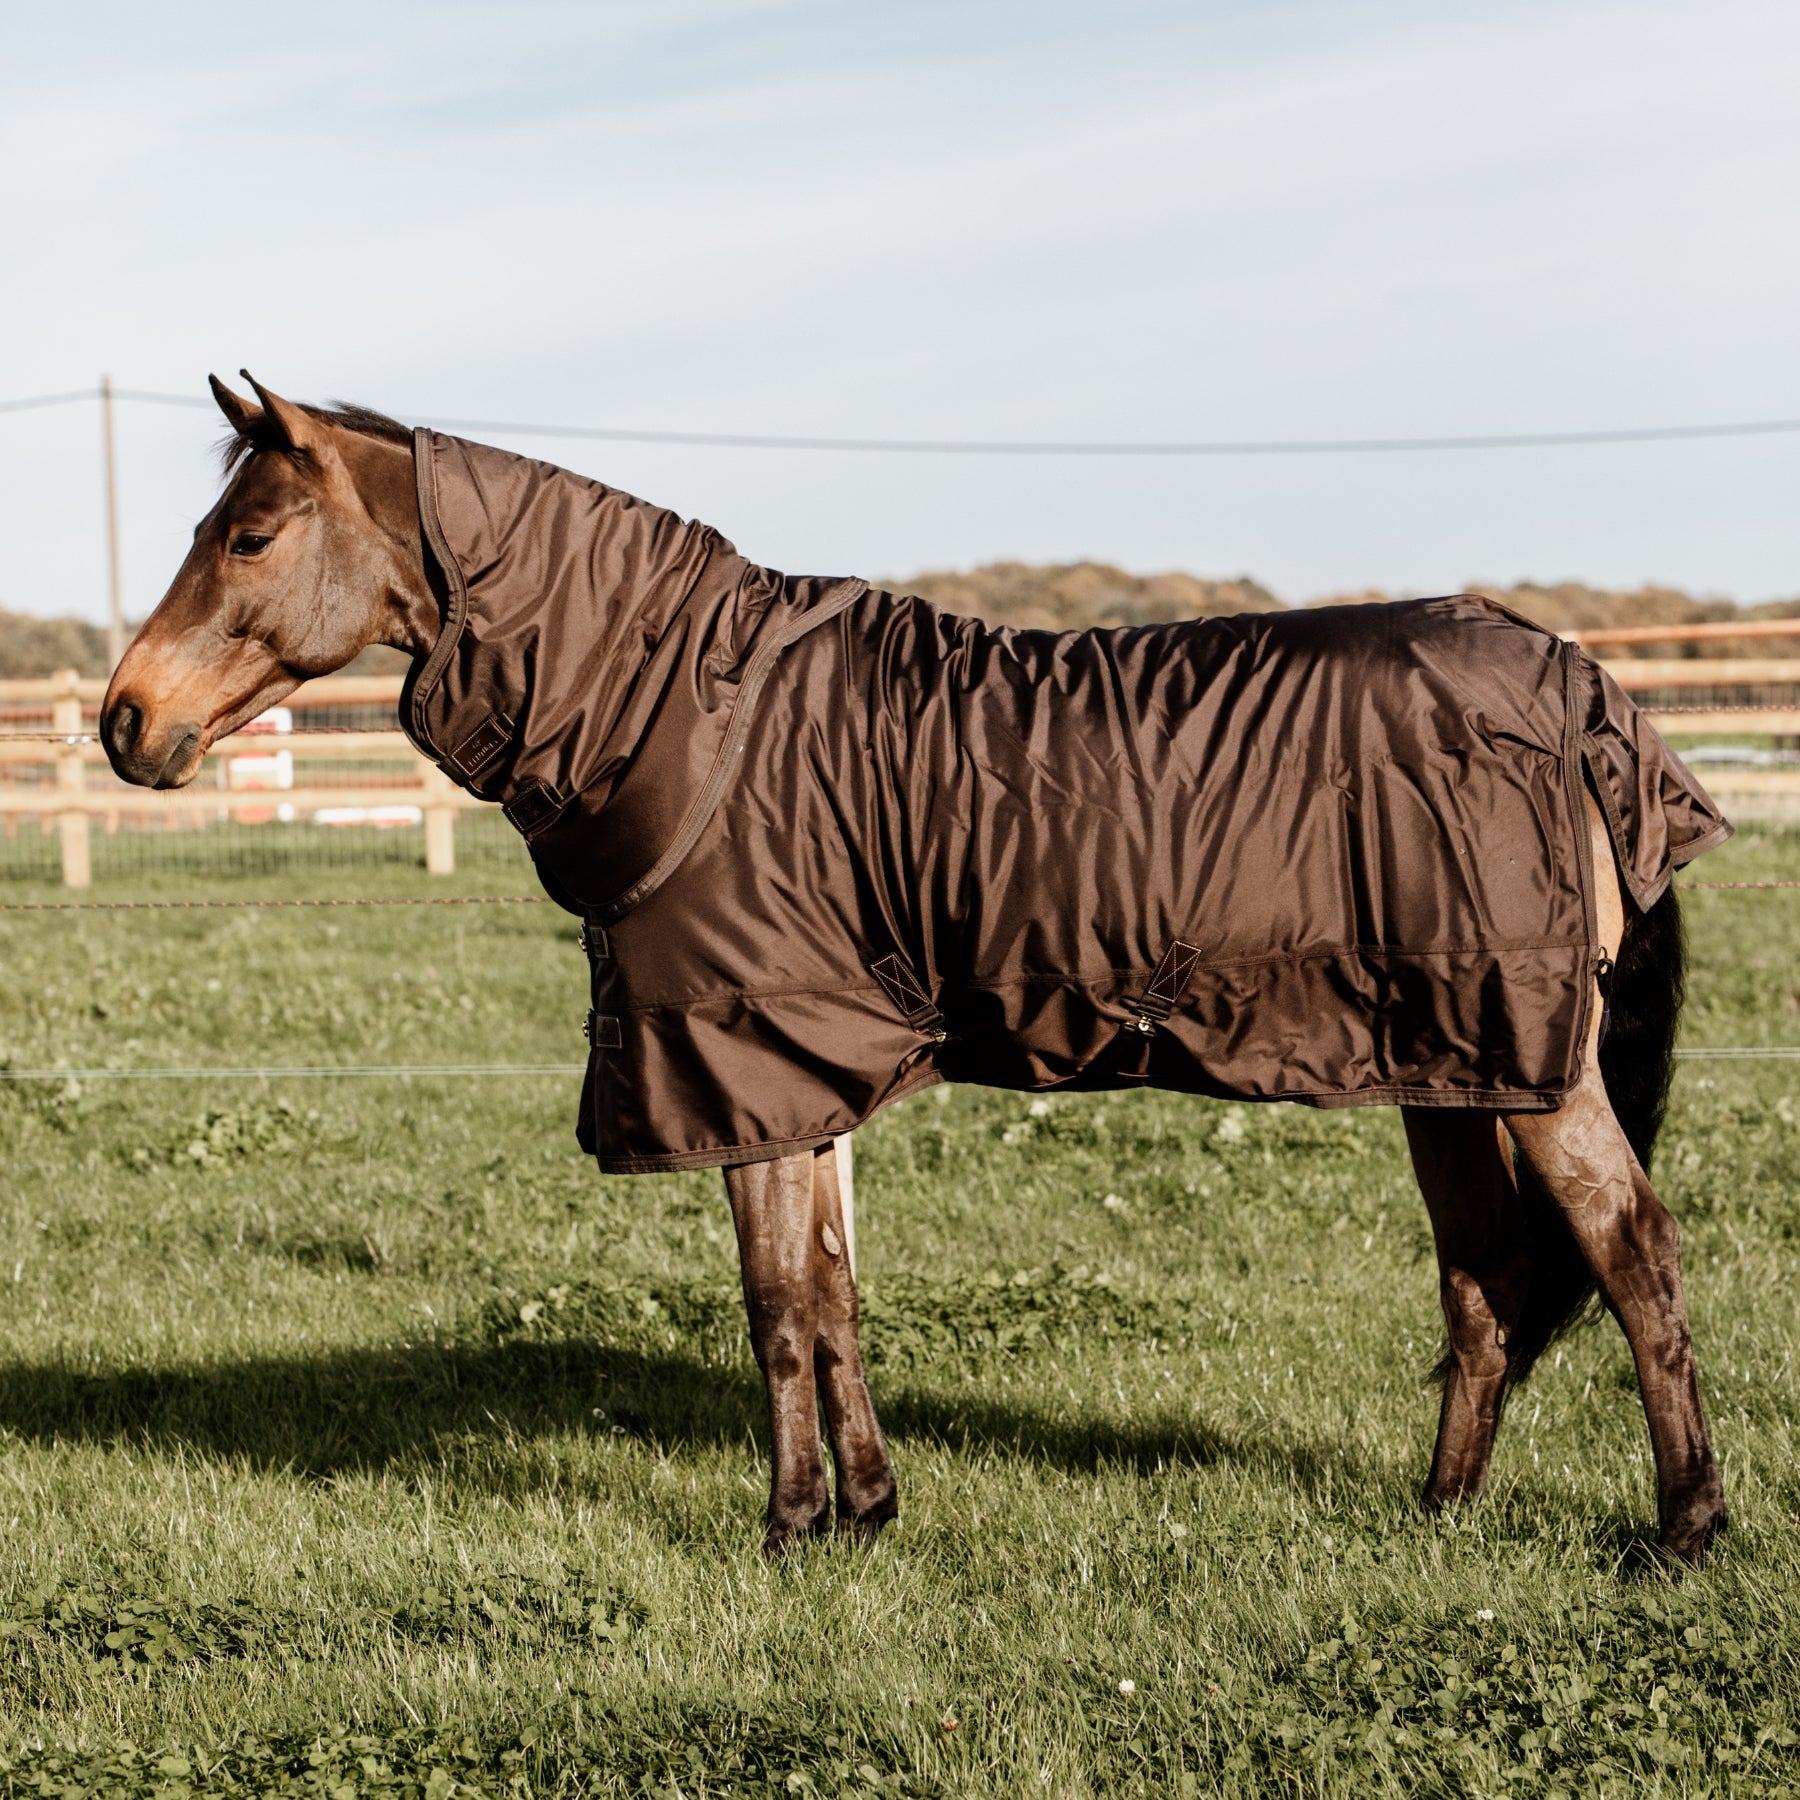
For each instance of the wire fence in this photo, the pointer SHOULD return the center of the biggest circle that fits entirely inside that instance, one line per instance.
(112, 906)
(236, 848)
(65, 1074)
(407, 1071)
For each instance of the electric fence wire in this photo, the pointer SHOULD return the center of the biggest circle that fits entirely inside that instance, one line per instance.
(405, 1071)
(112, 906)
(308, 1071)
(67, 906)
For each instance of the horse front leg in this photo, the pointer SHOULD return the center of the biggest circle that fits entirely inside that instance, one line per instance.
(772, 1208)
(800, 1294)
(1467, 1182)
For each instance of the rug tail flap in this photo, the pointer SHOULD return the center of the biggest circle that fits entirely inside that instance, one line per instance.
(1659, 815)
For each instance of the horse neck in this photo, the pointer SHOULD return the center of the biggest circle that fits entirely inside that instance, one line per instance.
(383, 475)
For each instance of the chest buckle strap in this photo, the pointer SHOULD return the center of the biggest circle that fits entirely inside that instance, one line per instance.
(601, 1029)
(910, 998)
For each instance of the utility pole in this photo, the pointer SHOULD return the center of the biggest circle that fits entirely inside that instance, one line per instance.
(115, 626)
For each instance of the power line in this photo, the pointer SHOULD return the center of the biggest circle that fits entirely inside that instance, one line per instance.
(1222, 447)
(35, 400)
(733, 440)
(149, 397)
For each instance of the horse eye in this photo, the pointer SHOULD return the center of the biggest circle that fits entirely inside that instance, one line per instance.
(248, 543)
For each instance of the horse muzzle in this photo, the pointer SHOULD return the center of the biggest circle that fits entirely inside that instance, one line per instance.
(165, 757)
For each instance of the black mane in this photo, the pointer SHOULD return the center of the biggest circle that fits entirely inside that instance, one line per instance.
(238, 446)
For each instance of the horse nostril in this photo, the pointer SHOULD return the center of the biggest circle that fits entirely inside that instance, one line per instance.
(122, 729)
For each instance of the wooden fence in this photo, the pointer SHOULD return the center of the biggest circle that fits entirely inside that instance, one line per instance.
(48, 726)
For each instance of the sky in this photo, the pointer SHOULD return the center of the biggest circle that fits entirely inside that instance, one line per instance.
(976, 219)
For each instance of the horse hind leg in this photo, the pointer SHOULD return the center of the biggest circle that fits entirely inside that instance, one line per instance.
(1633, 1245)
(1466, 1178)
(1584, 1162)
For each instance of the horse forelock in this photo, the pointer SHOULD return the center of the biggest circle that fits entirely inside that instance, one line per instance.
(237, 447)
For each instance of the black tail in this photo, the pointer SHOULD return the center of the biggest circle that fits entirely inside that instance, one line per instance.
(1636, 1063)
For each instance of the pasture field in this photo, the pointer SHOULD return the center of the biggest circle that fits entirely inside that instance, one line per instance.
(356, 1437)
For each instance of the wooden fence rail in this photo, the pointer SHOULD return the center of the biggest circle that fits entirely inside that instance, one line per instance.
(66, 706)
(1720, 631)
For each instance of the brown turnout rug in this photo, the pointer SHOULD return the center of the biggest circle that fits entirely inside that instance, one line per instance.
(831, 846)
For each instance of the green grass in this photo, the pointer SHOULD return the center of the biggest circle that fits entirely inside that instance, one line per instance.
(358, 1437)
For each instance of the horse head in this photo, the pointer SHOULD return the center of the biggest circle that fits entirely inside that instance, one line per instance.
(311, 554)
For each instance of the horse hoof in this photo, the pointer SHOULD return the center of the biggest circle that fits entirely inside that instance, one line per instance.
(783, 1538)
(1684, 1539)
(1441, 1499)
(865, 1527)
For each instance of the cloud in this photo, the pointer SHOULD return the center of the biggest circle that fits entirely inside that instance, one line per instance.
(1149, 221)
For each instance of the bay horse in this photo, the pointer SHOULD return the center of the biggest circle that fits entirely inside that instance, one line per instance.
(317, 549)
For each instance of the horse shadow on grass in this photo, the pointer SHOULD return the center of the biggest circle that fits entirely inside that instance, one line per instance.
(417, 1408)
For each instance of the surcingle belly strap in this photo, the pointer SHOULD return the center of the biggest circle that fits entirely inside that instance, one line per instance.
(910, 997)
(1151, 1009)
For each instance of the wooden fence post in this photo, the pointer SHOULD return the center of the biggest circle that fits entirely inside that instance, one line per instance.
(440, 822)
(72, 827)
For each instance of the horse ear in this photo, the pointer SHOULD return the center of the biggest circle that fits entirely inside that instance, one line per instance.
(239, 413)
(293, 427)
